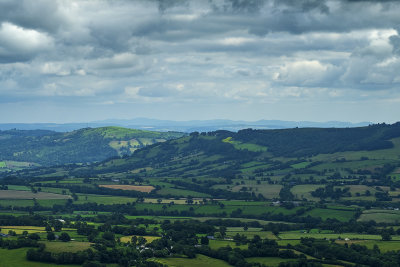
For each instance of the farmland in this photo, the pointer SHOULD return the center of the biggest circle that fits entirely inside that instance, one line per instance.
(140, 188)
(217, 198)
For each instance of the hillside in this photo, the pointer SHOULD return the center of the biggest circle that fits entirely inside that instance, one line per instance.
(81, 146)
(256, 162)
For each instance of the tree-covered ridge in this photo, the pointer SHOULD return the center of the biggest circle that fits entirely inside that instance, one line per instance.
(84, 145)
(200, 150)
(312, 141)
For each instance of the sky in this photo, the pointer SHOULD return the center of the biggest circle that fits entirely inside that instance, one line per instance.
(298, 60)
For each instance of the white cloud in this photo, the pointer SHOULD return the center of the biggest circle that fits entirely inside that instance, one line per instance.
(15, 40)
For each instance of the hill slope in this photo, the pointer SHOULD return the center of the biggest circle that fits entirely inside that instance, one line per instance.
(84, 145)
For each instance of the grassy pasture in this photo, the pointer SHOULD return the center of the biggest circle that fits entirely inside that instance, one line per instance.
(268, 261)
(100, 199)
(300, 165)
(16, 194)
(387, 154)
(384, 246)
(140, 188)
(384, 216)
(199, 261)
(304, 191)
(267, 190)
(341, 215)
(296, 235)
(30, 229)
(181, 192)
(72, 246)
(216, 244)
(18, 187)
(17, 258)
(241, 146)
(149, 239)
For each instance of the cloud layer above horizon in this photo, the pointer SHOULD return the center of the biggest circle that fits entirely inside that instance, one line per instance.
(238, 59)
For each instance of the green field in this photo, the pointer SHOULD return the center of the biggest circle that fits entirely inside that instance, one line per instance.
(381, 216)
(299, 234)
(216, 244)
(58, 246)
(268, 261)
(341, 215)
(199, 261)
(3, 164)
(17, 258)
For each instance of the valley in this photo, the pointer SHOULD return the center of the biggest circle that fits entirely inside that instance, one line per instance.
(291, 197)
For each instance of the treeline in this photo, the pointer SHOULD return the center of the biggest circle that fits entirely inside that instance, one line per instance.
(300, 142)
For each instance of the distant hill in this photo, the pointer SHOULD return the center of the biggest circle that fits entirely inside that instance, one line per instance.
(181, 126)
(47, 148)
(224, 153)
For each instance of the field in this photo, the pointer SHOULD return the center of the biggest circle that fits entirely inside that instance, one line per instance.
(352, 236)
(268, 261)
(58, 246)
(199, 261)
(304, 191)
(16, 194)
(381, 216)
(17, 258)
(341, 215)
(3, 164)
(140, 188)
(149, 239)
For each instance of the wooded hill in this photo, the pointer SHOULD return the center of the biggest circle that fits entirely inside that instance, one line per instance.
(224, 153)
(81, 146)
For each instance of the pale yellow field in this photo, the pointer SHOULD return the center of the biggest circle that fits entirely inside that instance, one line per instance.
(149, 239)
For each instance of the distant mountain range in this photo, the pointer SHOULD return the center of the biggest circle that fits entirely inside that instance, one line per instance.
(181, 126)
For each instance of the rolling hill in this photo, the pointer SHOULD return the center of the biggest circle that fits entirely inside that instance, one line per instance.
(48, 148)
(287, 163)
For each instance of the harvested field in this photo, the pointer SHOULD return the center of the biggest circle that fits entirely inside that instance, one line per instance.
(16, 194)
(140, 188)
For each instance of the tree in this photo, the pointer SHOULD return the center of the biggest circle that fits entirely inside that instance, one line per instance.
(58, 225)
(34, 236)
(386, 236)
(65, 237)
(51, 236)
(222, 231)
(204, 240)
(48, 228)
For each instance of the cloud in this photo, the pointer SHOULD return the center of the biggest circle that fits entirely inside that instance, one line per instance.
(196, 54)
(21, 43)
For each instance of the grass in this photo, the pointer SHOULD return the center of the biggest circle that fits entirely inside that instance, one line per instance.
(199, 261)
(18, 187)
(17, 258)
(216, 244)
(300, 165)
(384, 246)
(3, 164)
(380, 216)
(100, 199)
(72, 246)
(140, 188)
(16, 194)
(304, 191)
(149, 239)
(268, 261)
(180, 192)
(267, 190)
(341, 215)
(296, 235)
(241, 146)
